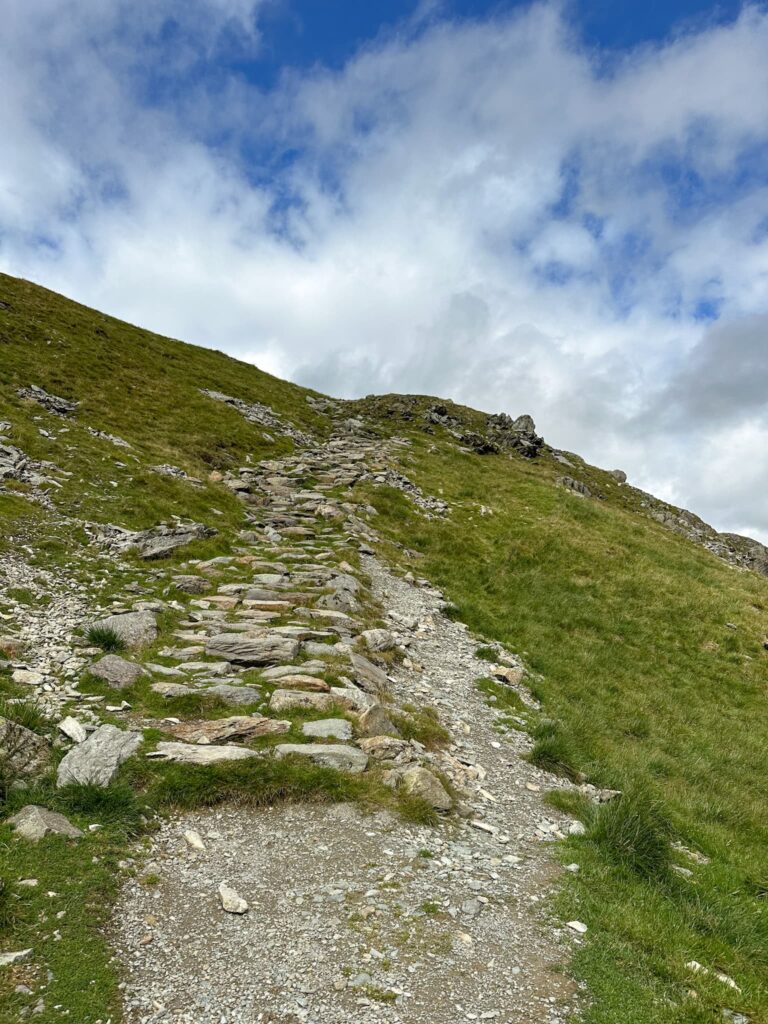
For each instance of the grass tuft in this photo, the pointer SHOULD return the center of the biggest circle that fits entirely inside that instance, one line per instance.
(633, 832)
(105, 638)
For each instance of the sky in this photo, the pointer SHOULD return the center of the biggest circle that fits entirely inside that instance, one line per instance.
(553, 208)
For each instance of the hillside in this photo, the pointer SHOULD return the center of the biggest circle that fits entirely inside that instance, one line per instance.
(528, 662)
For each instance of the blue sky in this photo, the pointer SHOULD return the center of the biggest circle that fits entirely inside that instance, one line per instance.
(556, 208)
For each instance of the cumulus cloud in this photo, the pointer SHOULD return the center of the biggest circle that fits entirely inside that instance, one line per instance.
(479, 210)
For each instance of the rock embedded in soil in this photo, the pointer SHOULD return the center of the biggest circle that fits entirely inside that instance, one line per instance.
(227, 730)
(231, 901)
(23, 752)
(96, 761)
(329, 755)
(135, 629)
(194, 753)
(328, 728)
(117, 672)
(264, 649)
(421, 782)
(34, 823)
(300, 700)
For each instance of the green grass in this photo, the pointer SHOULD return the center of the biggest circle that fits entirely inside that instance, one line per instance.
(105, 638)
(644, 689)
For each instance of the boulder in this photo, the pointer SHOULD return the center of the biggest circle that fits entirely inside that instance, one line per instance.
(420, 782)
(33, 823)
(192, 584)
(226, 730)
(620, 475)
(135, 629)
(328, 729)
(378, 639)
(352, 699)
(300, 700)
(23, 753)
(266, 648)
(96, 761)
(116, 671)
(302, 682)
(190, 753)
(577, 486)
(329, 755)
(368, 676)
(376, 722)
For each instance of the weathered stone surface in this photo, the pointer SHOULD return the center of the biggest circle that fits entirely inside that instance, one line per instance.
(376, 722)
(172, 689)
(231, 901)
(192, 753)
(263, 649)
(577, 486)
(385, 748)
(234, 694)
(135, 629)
(328, 728)
(33, 823)
(192, 584)
(302, 682)
(421, 782)
(368, 676)
(620, 475)
(226, 730)
(293, 700)
(53, 403)
(116, 671)
(378, 639)
(12, 462)
(7, 959)
(351, 698)
(309, 668)
(23, 752)
(95, 762)
(28, 677)
(73, 729)
(330, 755)
(511, 674)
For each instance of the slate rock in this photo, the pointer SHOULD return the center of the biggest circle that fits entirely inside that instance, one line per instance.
(192, 584)
(302, 682)
(116, 671)
(369, 676)
(376, 722)
(340, 756)
(266, 648)
(193, 753)
(378, 639)
(33, 823)
(96, 761)
(172, 689)
(135, 629)
(227, 730)
(328, 729)
(23, 752)
(234, 694)
(300, 700)
(420, 782)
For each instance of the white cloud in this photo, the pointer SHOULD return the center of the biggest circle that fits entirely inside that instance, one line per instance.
(475, 210)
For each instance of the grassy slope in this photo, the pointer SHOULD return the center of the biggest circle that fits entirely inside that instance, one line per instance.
(626, 624)
(624, 621)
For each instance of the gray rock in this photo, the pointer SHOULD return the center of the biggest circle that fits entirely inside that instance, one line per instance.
(577, 486)
(620, 475)
(192, 584)
(23, 753)
(53, 403)
(378, 639)
(368, 676)
(116, 671)
(330, 755)
(422, 783)
(96, 761)
(231, 901)
(135, 629)
(33, 823)
(6, 959)
(263, 649)
(300, 700)
(309, 668)
(234, 694)
(12, 462)
(376, 722)
(172, 689)
(328, 729)
(193, 753)
(228, 730)
(73, 729)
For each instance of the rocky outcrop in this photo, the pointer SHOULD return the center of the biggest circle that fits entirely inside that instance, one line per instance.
(256, 412)
(519, 434)
(96, 761)
(328, 755)
(154, 543)
(53, 403)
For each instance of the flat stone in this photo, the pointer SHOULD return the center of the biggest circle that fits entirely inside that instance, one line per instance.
(73, 729)
(172, 689)
(211, 668)
(420, 782)
(135, 629)
(352, 699)
(302, 682)
(330, 755)
(309, 668)
(7, 959)
(33, 823)
(27, 677)
(191, 753)
(234, 694)
(328, 728)
(116, 671)
(385, 748)
(96, 761)
(225, 730)
(264, 649)
(300, 700)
